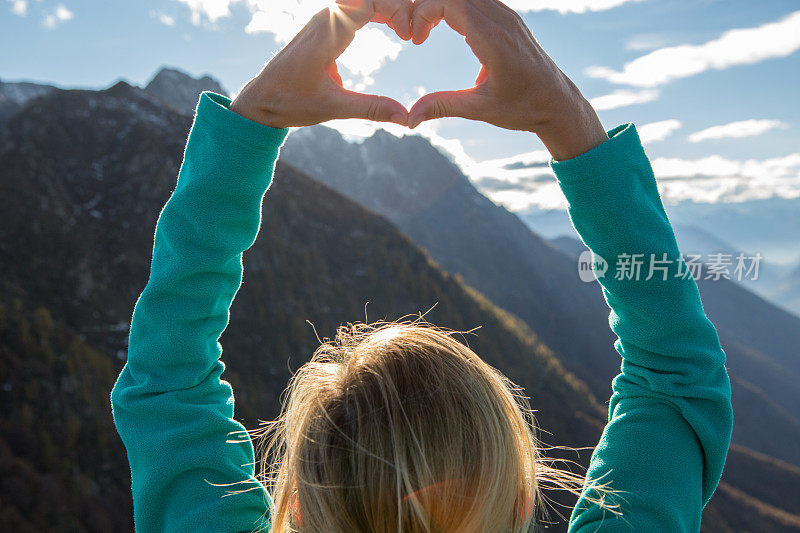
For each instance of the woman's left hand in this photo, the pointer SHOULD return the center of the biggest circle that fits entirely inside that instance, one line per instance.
(301, 86)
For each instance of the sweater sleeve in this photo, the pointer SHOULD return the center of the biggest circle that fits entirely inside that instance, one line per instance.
(171, 408)
(670, 416)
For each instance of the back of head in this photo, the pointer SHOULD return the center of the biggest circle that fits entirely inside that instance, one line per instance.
(400, 427)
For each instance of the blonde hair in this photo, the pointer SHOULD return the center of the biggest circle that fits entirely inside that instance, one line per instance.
(399, 427)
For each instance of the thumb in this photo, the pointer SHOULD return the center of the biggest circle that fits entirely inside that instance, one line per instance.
(444, 104)
(349, 104)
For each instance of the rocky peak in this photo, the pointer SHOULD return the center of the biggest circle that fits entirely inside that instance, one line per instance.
(179, 90)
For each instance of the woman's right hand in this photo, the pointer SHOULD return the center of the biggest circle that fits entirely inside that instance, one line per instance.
(301, 86)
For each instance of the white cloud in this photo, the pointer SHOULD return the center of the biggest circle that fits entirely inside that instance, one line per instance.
(710, 179)
(622, 98)
(416, 93)
(547, 196)
(646, 41)
(741, 128)
(370, 49)
(19, 7)
(719, 179)
(566, 6)
(57, 16)
(734, 47)
(212, 9)
(526, 159)
(658, 131)
(282, 19)
(709, 166)
(163, 18)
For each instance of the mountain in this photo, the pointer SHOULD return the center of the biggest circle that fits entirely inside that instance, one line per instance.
(770, 226)
(171, 86)
(787, 291)
(696, 240)
(571, 246)
(14, 95)
(75, 249)
(692, 240)
(179, 90)
(549, 223)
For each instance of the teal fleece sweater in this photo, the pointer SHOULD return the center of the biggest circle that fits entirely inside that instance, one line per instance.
(670, 415)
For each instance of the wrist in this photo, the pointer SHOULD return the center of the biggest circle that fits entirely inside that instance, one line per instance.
(572, 132)
(251, 107)
(251, 112)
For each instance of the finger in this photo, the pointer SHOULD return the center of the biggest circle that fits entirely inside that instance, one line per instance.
(399, 14)
(395, 13)
(428, 13)
(331, 30)
(464, 104)
(358, 11)
(335, 28)
(349, 104)
(464, 17)
(333, 71)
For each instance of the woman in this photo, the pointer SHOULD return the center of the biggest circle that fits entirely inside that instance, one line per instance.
(400, 427)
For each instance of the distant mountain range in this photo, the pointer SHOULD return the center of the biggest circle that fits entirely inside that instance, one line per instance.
(770, 227)
(75, 248)
(788, 292)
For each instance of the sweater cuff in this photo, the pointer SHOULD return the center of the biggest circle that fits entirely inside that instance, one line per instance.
(215, 108)
(603, 161)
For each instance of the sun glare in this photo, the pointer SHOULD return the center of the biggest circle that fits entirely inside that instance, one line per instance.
(372, 48)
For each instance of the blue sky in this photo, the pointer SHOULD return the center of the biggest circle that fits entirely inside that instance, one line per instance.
(716, 81)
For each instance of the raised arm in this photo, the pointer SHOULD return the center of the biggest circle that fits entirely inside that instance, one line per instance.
(170, 405)
(670, 415)
(172, 410)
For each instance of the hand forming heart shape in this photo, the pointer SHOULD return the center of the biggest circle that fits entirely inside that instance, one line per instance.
(519, 87)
